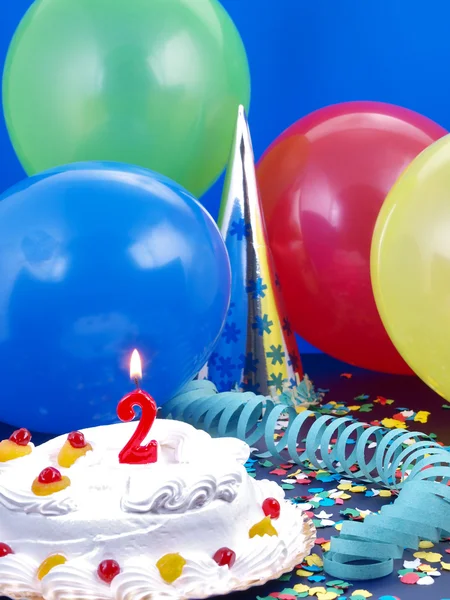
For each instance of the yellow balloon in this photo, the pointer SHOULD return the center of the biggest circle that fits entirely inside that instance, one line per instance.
(410, 265)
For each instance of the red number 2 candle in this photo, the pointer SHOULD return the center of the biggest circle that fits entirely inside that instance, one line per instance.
(133, 452)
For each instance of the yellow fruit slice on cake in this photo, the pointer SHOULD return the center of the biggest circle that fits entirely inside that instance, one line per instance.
(74, 447)
(170, 567)
(264, 527)
(17, 446)
(50, 563)
(49, 482)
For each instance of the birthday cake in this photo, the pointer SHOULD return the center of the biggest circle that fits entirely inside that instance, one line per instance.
(76, 523)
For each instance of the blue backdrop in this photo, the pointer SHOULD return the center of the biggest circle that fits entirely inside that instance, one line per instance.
(305, 54)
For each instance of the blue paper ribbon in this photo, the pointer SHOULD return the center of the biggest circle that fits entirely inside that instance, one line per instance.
(399, 460)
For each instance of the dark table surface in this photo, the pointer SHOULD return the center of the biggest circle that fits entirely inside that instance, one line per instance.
(346, 383)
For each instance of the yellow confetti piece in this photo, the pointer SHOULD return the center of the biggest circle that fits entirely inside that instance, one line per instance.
(358, 489)
(338, 526)
(317, 590)
(431, 557)
(300, 588)
(326, 547)
(300, 409)
(393, 423)
(425, 545)
(363, 593)
(445, 566)
(314, 559)
(327, 596)
(385, 493)
(344, 496)
(297, 472)
(357, 407)
(422, 416)
(344, 486)
(303, 573)
(426, 568)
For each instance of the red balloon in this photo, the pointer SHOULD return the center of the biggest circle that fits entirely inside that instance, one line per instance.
(322, 183)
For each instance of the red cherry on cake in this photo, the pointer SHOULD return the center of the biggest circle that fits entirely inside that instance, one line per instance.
(5, 550)
(225, 557)
(271, 508)
(76, 439)
(49, 475)
(48, 482)
(107, 570)
(21, 437)
(17, 446)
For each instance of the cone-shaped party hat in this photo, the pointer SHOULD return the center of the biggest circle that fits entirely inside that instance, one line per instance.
(257, 350)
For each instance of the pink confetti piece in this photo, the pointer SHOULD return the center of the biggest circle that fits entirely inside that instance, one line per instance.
(278, 472)
(410, 578)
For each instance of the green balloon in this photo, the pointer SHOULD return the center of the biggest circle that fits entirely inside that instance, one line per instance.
(155, 83)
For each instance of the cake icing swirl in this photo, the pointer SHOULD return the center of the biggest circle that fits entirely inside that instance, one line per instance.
(176, 497)
(141, 582)
(205, 577)
(18, 574)
(50, 506)
(74, 581)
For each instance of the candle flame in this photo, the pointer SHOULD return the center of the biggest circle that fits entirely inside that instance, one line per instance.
(135, 365)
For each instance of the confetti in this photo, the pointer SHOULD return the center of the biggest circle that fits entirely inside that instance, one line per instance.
(412, 564)
(427, 580)
(422, 416)
(327, 596)
(410, 578)
(426, 545)
(324, 515)
(317, 590)
(383, 401)
(385, 493)
(300, 587)
(314, 559)
(278, 472)
(432, 557)
(302, 573)
(429, 570)
(393, 423)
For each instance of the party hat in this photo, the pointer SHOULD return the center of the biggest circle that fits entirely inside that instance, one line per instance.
(257, 350)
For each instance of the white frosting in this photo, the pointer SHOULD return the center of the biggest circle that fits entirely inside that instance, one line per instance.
(140, 579)
(18, 573)
(177, 496)
(26, 502)
(194, 500)
(74, 580)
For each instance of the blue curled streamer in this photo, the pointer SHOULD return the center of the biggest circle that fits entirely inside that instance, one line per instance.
(405, 461)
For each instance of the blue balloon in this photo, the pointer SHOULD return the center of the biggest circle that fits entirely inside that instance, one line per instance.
(97, 259)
